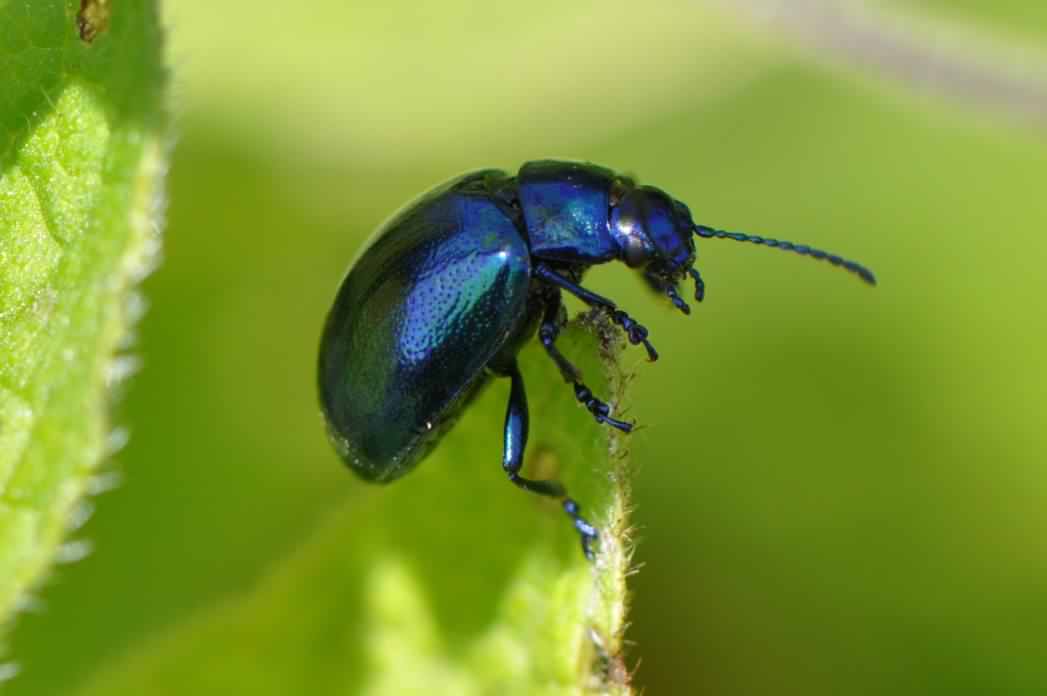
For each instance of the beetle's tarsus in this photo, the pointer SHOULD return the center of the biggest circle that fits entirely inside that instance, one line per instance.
(585, 530)
(600, 410)
(636, 332)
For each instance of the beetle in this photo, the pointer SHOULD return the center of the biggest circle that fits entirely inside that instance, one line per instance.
(449, 289)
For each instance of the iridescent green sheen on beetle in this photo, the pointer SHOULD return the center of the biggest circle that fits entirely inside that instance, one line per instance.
(450, 288)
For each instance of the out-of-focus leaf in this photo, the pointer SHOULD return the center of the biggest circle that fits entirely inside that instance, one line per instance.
(404, 82)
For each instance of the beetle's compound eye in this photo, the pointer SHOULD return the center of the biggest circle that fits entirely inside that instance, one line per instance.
(627, 227)
(634, 253)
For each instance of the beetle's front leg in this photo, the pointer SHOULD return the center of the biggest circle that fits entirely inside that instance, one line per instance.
(547, 333)
(636, 332)
(516, 426)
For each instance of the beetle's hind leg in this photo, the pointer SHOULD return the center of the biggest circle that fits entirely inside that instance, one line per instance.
(516, 427)
(547, 333)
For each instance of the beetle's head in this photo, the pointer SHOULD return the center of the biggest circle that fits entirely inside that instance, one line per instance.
(656, 233)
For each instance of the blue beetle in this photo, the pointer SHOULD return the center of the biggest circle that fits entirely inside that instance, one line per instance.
(450, 288)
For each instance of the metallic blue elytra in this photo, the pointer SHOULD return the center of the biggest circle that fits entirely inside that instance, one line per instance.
(450, 288)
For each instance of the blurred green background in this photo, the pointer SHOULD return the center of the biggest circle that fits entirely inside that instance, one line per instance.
(838, 490)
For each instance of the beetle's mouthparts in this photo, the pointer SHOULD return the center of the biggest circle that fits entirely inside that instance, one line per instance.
(699, 284)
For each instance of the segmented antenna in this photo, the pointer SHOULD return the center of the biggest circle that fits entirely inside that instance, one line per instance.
(856, 268)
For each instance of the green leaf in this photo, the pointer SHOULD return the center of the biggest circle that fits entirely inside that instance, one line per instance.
(450, 581)
(81, 154)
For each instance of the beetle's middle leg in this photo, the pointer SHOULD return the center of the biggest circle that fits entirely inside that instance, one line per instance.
(636, 332)
(552, 321)
(547, 333)
(516, 426)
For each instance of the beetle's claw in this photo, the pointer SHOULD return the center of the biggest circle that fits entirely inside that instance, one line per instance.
(637, 332)
(652, 354)
(615, 423)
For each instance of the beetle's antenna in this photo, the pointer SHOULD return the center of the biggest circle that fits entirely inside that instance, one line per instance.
(856, 268)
